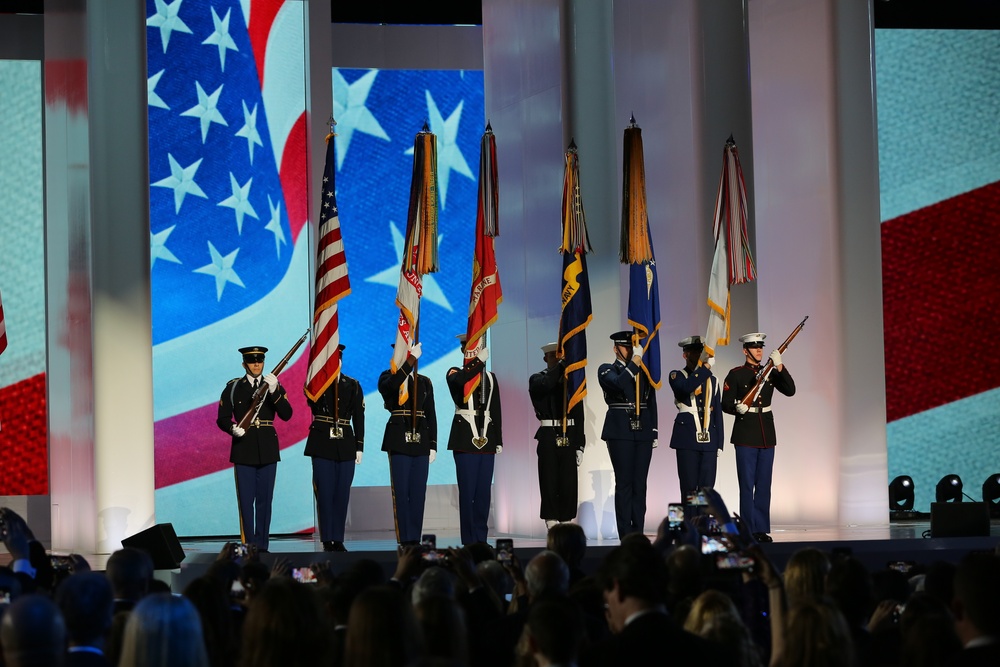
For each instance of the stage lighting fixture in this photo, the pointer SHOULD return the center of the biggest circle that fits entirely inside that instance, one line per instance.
(949, 489)
(901, 494)
(991, 494)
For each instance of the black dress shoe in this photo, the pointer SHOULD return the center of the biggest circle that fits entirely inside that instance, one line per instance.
(328, 546)
(338, 546)
(763, 538)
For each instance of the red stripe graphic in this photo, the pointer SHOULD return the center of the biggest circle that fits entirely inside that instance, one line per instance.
(190, 445)
(939, 280)
(24, 438)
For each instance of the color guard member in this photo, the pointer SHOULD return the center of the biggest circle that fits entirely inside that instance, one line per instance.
(411, 442)
(559, 455)
(630, 429)
(476, 437)
(254, 450)
(753, 431)
(336, 442)
(698, 433)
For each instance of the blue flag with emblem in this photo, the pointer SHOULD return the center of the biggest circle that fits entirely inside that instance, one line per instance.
(637, 251)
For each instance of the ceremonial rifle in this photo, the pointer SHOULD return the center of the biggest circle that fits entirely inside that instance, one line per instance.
(258, 395)
(766, 369)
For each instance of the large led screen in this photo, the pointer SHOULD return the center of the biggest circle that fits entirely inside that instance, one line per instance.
(23, 427)
(938, 95)
(232, 248)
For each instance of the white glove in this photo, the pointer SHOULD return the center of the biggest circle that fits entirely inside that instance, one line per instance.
(237, 431)
(357, 458)
(776, 358)
(579, 457)
(483, 355)
(272, 382)
(637, 352)
(707, 361)
(741, 408)
(432, 456)
(656, 443)
(415, 350)
(499, 448)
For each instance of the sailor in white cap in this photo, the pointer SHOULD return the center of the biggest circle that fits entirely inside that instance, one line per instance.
(753, 430)
(559, 453)
(697, 436)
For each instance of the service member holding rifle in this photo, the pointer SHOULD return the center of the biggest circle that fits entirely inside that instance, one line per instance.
(247, 410)
(747, 394)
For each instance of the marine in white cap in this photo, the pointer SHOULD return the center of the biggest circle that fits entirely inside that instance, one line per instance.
(753, 430)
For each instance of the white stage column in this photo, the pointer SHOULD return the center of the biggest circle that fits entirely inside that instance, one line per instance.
(97, 235)
(818, 252)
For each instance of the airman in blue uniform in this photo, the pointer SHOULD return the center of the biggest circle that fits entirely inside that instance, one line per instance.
(629, 429)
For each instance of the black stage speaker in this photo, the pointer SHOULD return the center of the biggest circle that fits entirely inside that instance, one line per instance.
(960, 520)
(161, 543)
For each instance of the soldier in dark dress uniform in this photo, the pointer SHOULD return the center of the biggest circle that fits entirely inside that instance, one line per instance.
(254, 451)
(558, 460)
(631, 437)
(476, 437)
(753, 431)
(336, 442)
(698, 433)
(410, 451)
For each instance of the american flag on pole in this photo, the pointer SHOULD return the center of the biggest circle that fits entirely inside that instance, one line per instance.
(486, 293)
(332, 284)
(420, 247)
(576, 307)
(733, 263)
(636, 250)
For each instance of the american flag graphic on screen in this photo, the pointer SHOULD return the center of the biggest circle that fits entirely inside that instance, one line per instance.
(232, 250)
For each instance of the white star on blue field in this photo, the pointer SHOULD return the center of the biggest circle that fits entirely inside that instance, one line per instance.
(378, 114)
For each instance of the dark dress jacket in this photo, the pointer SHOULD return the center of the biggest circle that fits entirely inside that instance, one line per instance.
(460, 439)
(350, 420)
(545, 388)
(618, 382)
(756, 427)
(401, 416)
(259, 445)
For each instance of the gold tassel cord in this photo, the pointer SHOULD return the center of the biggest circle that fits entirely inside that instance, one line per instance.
(636, 246)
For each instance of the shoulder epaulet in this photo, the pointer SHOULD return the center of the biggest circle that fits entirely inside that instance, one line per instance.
(737, 368)
(237, 379)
